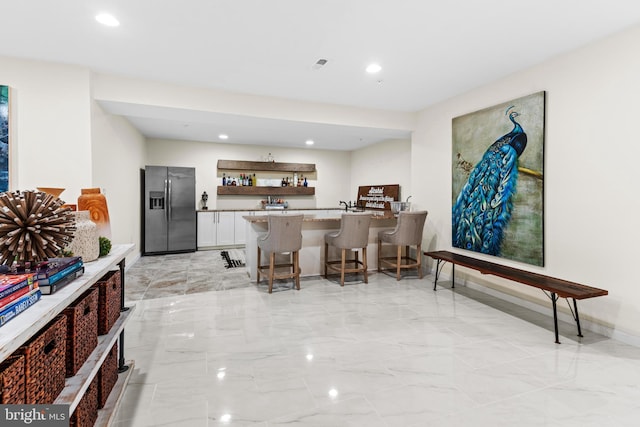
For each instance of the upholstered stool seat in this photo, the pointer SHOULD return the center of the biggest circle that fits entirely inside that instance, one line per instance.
(284, 236)
(352, 236)
(408, 232)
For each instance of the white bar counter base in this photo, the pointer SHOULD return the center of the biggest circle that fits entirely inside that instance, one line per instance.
(314, 227)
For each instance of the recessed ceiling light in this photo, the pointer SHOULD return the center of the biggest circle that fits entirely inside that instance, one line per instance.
(373, 68)
(309, 142)
(107, 19)
(223, 136)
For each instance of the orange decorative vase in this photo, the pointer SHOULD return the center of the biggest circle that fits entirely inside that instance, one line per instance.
(96, 203)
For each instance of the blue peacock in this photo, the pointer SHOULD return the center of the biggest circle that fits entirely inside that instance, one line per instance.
(483, 208)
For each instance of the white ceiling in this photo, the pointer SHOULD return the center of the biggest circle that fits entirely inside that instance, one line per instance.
(429, 50)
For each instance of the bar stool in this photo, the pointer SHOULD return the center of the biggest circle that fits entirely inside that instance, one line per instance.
(283, 236)
(353, 235)
(408, 232)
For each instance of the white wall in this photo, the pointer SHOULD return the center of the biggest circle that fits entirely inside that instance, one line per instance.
(60, 138)
(591, 152)
(331, 179)
(135, 91)
(118, 155)
(50, 126)
(383, 163)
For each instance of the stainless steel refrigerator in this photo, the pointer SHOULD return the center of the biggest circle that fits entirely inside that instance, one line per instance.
(169, 209)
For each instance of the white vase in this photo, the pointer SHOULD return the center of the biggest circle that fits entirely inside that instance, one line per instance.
(85, 242)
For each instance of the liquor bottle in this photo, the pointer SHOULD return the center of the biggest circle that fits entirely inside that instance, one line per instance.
(295, 179)
(224, 180)
(254, 182)
(284, 182)
(305, 182)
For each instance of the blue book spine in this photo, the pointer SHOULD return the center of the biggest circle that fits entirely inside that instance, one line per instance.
(49, 289)
(60, 275)
(19, 306)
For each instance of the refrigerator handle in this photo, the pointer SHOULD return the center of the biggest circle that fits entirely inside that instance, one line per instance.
(170, 203)
(166, 200)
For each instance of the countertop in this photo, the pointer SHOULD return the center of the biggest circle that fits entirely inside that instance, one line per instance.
(376, 215)
(270, 210)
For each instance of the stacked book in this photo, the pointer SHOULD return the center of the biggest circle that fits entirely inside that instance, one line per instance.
(17, 293)
(55, 273)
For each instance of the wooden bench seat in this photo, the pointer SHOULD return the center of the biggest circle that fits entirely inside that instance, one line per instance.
(556, 288)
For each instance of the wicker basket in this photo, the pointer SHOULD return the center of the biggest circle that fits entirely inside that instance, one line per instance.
(12, 380)
(44, 358)
(86, 412)
(108, 375)
(109, 301)
(82, 330)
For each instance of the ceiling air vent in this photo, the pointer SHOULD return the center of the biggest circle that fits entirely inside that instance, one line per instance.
(319, 64)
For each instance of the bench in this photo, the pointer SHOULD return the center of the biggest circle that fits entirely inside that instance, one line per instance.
(552, 287)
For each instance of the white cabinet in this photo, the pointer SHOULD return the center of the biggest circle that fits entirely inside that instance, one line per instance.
(216, 228)
(229, 228)
(225, 228)
(241, 227)
(206, 229)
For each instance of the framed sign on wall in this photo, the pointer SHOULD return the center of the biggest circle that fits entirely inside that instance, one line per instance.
(4, 138)
(378, 196)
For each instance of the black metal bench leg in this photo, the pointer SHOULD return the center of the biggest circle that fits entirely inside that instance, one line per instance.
(435, 282)
(554, 298)
(575, 306)
(453, 276)
(122, 367)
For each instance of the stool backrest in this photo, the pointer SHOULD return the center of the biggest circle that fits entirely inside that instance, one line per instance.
(284, 234)
(354, 231)
(409, 228)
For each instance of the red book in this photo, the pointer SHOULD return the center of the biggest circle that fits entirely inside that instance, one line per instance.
(14, 296)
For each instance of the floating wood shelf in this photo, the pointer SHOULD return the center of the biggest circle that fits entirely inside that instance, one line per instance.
(229, 190)
(242, 165)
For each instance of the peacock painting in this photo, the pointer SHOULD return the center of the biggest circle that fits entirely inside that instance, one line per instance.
(498, 180)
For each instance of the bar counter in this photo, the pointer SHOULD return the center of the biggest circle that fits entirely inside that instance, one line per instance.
(314, 227)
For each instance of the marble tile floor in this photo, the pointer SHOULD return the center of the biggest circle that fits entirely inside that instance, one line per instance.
(181, 274)
(385, 353)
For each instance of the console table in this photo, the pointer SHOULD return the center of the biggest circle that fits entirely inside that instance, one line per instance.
(20, 329)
